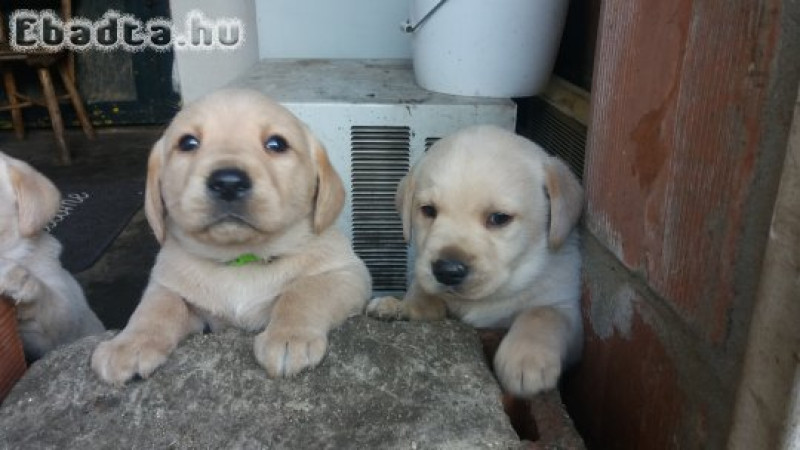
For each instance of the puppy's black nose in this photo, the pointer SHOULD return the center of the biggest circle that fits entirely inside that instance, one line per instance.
(449, 272)
(229, 184)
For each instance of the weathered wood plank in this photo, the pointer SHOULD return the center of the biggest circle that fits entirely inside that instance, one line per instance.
(679, 97)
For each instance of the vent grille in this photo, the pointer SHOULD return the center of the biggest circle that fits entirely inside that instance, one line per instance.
(380, 158)
(556, 132)
(430, 141)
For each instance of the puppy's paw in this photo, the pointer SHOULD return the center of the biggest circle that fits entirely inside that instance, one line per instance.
(286, 351)
(19, 283)
(388, 308)
(122, 358)
(525, 370)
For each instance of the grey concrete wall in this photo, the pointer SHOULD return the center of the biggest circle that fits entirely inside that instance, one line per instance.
(763, 413)
(198, 72)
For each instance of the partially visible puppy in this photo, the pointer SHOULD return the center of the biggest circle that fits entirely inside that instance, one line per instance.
(492, 220)
(243, 199)
(51, 308)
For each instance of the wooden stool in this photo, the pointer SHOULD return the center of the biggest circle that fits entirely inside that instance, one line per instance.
(42, 61)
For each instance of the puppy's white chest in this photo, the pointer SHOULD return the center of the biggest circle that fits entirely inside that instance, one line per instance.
(498, 314)
(241, 296)
(244, 300)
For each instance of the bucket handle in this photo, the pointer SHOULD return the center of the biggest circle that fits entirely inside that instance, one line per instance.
(408, 27)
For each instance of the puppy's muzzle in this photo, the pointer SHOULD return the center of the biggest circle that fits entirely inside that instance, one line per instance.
(449, 272)
(229, 184)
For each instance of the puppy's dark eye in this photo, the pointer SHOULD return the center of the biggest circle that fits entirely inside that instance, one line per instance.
(188, 143)
(428, 211)
(497, 219)
(276, 144)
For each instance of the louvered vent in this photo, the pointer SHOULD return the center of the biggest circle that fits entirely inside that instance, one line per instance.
(430, 141)
(556, 132)
(380, 158)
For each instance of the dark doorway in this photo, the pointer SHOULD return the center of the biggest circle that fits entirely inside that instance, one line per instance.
(119, 87)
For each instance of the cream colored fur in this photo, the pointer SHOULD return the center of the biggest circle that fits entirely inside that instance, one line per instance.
(524, 274)
(309, 279)
(51, 307)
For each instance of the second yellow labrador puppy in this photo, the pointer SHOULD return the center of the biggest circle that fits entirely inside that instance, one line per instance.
(51, 306)
(492, 220)
(242, 198)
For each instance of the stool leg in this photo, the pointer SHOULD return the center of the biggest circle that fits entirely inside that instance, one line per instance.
(55, 114)
(13, 101)
(77, 102)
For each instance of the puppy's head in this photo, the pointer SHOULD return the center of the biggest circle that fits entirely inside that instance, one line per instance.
(484, 207)
(236, 168)
(28, 200)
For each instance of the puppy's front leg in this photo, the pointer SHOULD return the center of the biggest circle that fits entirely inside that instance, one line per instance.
(19, 283)
(531, 355)
(297, 334)
(416, 305)
(160, 322)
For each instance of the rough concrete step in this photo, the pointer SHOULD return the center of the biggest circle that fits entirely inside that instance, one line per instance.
(382, 385)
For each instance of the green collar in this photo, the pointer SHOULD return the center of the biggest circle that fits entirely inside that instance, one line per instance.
(246, 259)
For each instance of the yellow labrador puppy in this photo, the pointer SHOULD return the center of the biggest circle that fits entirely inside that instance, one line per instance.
(492, 219)
(51, 307)
(242, 198)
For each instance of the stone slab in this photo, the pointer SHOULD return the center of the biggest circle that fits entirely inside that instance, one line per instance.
(382, 385)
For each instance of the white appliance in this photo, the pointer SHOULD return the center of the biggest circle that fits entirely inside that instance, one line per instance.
(375, 122)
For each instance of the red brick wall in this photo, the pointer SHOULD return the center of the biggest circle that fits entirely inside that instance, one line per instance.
(12, 359)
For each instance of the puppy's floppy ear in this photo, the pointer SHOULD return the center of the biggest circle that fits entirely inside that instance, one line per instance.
(403, 200)
(38, 199)
(566, 200)
(153, 202)
(330, 190)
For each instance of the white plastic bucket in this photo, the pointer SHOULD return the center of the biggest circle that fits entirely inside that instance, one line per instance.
(486, 48)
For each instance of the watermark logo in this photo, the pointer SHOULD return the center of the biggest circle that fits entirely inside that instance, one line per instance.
(43, 30)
